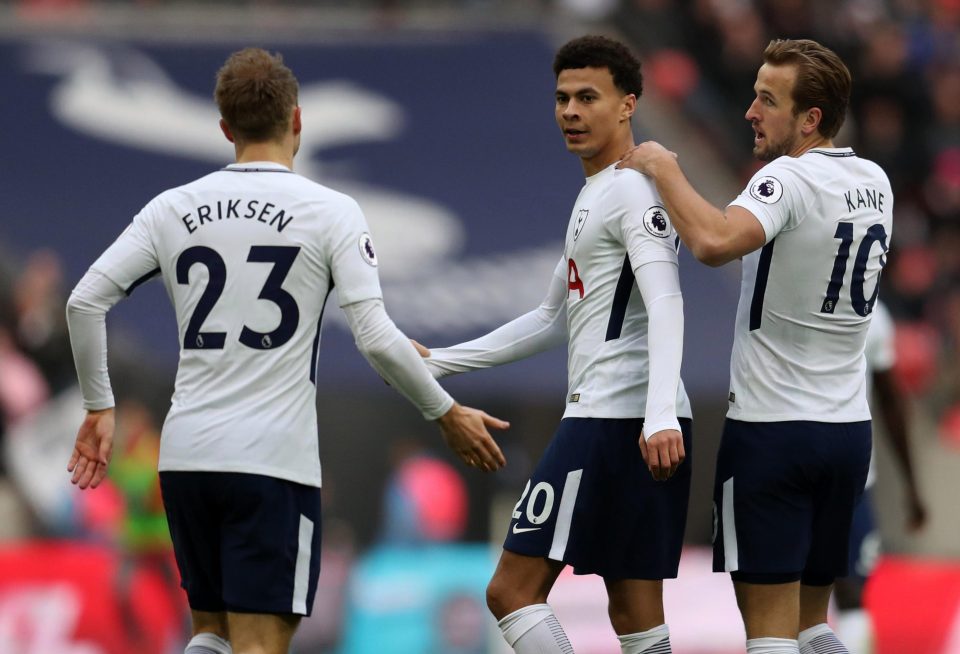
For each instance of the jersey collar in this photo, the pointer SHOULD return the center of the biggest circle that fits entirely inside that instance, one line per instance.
(834, 152)
(257, 167)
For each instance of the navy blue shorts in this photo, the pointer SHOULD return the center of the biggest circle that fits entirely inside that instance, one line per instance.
(783, 499)
(244, 543)
(593, 504)
(864, 539)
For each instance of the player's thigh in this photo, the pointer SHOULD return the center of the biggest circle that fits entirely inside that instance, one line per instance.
(591, 501)
(864, 552)
(763, 503)
(838, 491)
(192, 501)
(271, 546)
(261, 633)
(783, 498)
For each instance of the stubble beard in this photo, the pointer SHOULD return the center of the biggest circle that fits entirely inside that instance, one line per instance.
(772, 151)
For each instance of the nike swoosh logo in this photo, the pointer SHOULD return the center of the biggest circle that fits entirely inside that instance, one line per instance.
(518, 530)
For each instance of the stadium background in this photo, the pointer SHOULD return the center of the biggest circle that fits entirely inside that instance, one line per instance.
(437, 116)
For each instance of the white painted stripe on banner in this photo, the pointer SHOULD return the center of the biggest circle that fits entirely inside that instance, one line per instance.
(561, 531)
(301, 580)
(730, 563)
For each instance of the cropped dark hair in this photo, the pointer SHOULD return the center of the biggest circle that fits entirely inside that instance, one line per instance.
(256, 94)
(823, 80)
(602, 52)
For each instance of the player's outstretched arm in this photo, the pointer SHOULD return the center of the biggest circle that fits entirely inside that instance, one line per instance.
(893, 410)
(394, 357)
(713, 236)
(92, 450)
(535, 331)
(465, 431)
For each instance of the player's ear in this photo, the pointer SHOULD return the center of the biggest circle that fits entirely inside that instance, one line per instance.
(811, 121)
(226, 130)
(296, 122)
(628, 106)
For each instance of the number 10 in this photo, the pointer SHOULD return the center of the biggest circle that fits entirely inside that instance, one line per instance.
(862, 305)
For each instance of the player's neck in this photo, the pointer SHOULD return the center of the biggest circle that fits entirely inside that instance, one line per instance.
(608, 156)
(809, 143)
(269, 151)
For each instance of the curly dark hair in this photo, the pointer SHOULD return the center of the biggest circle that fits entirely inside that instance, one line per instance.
(601, 52)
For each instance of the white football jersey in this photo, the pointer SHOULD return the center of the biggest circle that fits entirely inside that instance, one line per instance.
(248, 255)
(807, 296)
(618, 224)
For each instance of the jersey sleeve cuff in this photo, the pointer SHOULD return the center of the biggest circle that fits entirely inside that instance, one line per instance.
(441, 410)
(99, 404)
(657, 425)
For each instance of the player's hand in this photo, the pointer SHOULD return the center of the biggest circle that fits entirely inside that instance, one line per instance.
(663, 453)
(421, 350)
(92, 451)
(465, 432)
(916, 513)
(645, 158)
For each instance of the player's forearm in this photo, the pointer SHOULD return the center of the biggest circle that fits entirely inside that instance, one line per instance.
(702, 227)
(530, 334)
(665, 347)
(86, 320)
(390, 353)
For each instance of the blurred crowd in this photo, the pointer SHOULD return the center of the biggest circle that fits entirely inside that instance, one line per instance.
(904, 56)
(701, 56)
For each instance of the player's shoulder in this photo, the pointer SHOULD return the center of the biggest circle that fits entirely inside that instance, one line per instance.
(629, 188)
(628, 178)
(787, 168)
(190, 188)
(874, 171)
(784, 177)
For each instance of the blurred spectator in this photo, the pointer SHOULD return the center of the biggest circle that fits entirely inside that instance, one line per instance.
(425, 500)
(41, 326)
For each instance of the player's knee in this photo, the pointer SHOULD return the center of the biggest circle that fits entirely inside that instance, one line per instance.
(501, 598)
(619, 619)
(631, 619)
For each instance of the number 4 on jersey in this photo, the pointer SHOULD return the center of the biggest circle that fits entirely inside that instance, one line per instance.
(574, 283)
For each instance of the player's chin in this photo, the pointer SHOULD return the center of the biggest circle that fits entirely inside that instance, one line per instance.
(582, 150)
(762, 153)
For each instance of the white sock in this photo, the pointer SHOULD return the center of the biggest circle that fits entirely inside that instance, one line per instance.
(534, 630)
(207, 643)
(772, 646)
(855, 630)
(820, 639)
(651, 641)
